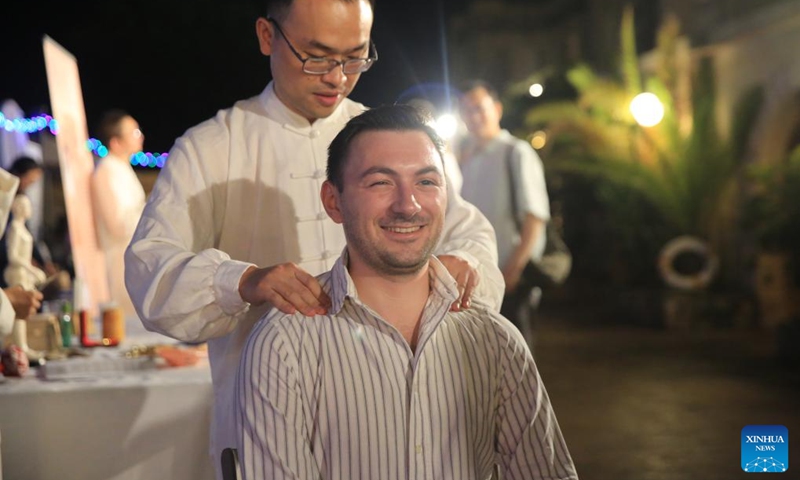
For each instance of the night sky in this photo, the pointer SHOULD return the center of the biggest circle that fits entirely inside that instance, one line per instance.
(174, 64)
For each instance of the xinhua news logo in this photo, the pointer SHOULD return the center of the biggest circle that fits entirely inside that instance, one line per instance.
(765, 449)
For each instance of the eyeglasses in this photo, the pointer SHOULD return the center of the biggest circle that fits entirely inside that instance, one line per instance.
(323, 65)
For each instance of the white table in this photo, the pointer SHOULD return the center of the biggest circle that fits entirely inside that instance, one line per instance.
(144, 425)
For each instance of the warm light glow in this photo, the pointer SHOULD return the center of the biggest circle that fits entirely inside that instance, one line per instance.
(539, 140)
(647, 109)
(536, 90)
(446, 126)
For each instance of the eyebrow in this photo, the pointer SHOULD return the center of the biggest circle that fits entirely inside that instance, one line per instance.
(314, 44)
(389, 171)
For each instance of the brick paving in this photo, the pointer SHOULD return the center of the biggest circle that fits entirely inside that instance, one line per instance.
(645, 403)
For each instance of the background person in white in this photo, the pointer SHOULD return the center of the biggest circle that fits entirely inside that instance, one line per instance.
(390, 384)
(486, 185)
(234, 224)
(118, 198)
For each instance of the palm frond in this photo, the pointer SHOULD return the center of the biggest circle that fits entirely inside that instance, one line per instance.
(631, 78)
(745, 115)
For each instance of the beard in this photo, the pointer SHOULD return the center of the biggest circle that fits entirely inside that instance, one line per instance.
(394, 258)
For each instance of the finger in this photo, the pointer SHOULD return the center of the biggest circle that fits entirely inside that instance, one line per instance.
(282, 304)
(313, 286)
(460, 284)
(466, 298)
(302, 299)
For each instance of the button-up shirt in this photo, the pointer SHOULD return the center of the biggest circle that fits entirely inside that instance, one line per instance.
(343, 396)
(242, 189)
(486, 185)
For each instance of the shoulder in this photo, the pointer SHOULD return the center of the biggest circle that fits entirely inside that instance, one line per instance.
(293, 338)
(276, 324)
(520, 147)
(221, 126)
(351, 108)
(486, 325)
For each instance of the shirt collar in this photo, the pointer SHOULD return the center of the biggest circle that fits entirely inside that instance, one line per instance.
(280, 113)
(501, 138)
(443, 285)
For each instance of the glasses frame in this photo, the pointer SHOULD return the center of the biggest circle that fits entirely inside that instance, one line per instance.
(364, 63)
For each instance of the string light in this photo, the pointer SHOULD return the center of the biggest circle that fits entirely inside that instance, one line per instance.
(29, 125)
(40, 122)
(138, 159)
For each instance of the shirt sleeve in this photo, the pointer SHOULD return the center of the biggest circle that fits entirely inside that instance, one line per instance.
(531, 189)
(272, 432)
(530, 444)
(469, 235)
(180, 284)
(7, 315)
(8, 188)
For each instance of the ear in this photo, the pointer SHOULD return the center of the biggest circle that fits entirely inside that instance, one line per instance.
(113, 144)
(499, 106)
(265, 33)
(329, 195)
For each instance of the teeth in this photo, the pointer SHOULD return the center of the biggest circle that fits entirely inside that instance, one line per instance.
(403, 230)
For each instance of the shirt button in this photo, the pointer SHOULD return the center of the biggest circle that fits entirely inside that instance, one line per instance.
(419, 448)
(314, 133)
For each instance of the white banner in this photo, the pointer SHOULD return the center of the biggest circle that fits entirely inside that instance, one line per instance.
(77, 165)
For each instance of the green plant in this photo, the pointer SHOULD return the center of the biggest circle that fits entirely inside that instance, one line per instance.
(683, 167)
(773, 209)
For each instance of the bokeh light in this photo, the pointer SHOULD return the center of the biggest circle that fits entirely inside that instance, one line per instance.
(647, 109)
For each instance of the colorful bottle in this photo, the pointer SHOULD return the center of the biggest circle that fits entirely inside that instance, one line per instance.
(65, 324)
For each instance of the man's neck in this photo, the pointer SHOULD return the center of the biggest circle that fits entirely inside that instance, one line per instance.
(474, 145)
(482, 141)
(119, 156)
(399, 300)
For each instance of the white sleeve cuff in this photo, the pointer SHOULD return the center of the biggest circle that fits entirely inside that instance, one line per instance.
(226, 287)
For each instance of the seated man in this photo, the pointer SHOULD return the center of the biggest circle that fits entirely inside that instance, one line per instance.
(391, 384)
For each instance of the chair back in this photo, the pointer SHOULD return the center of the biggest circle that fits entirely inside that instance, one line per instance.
(230, 464)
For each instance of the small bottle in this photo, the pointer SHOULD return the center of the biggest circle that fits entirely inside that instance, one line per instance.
(65, 324)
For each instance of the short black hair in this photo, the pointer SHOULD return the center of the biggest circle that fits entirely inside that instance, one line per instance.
(475, 84)
(23, 165)
(277, 8)
(110, 125)
(396, 118)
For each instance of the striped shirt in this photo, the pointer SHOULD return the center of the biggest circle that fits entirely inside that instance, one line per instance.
(342, 396)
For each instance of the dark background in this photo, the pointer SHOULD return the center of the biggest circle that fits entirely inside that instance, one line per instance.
(173, 64)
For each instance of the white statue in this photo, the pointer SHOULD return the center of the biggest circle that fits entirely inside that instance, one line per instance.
(19, 241)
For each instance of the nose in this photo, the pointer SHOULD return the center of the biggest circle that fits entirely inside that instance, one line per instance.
(405, 203)
(335, 77)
